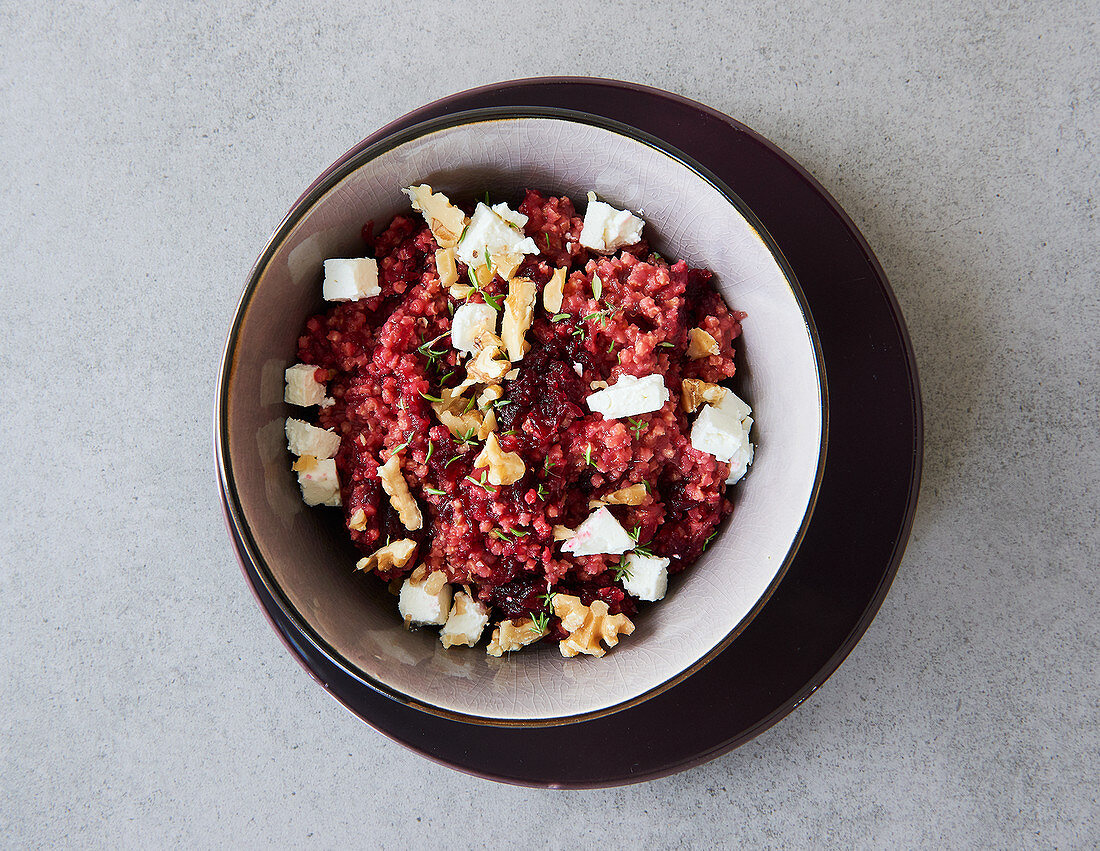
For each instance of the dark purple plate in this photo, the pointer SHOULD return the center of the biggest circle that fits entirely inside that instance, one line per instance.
(856, 537)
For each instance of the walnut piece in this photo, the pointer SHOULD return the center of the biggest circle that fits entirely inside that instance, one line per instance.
(696, 392)
(701, 344)
(513, 634)
(563, 533)
(445, 267)
(505, 263)
(488, 425)
(445, 220)
(455, 412)
(633, 495)
(519, 311)
(553, 291)
(395, 486)
(588, 625)
(488, 367)
(489, 395)
(358, 520)
(465, 622)
(505, 468)
(392, 556)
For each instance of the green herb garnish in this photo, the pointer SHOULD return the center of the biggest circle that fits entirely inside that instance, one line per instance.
(540, 623)
(639, 548)
(622, 569)
(435, 491)
(558, 317)
(597, 287)
(666, 344)
(431, 449)
(637, 426)
(430, 398)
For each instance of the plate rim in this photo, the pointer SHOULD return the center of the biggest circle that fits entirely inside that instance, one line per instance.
(534, 90)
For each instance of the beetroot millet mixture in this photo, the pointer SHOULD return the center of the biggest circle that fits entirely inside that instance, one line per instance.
(500, 540)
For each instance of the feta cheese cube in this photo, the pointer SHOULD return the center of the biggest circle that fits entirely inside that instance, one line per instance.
(647, 577)
(302, 388)
(318, 481)
(350, 280)
(607, 229)
(630, 396)
(418, 605)
(723, 431)
(465, 623)
(600, 533)
(739, 464)
(305, 439)
(488, 231)
(471, 319)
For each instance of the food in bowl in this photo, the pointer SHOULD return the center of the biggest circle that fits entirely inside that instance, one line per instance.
(521, 413)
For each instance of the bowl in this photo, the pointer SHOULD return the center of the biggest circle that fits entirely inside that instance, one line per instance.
(302, 555)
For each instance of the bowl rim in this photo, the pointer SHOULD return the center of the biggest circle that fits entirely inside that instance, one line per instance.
(362, 153)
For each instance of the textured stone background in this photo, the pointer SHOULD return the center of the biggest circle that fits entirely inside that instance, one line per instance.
(146, 152)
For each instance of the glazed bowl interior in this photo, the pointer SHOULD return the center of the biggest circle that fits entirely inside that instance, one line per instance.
(303, 553)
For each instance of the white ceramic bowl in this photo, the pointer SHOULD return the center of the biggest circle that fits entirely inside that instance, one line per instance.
(303, 555)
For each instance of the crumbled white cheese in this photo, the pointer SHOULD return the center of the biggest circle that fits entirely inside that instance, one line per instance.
(417, 605)
(328, 402)
(465, 623)
(600, 533)
(318, 481)
(578, 368)
(608, 229)
(509, 215)
(305, 439)
(351, 280)
(471, 319)
(301, 386)
(723, 431)
(647, 576)
(742, 458)
(630, 396)
(488, 231)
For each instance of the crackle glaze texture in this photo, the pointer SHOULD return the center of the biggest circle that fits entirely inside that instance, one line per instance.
(688, 218)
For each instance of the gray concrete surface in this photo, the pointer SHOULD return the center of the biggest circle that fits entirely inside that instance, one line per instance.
(147, 150)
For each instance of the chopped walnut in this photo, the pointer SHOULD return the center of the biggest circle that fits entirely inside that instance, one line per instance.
(697, 391)
(435, 582)
(633, 495)
(358, 520)
(395, 486)
(445, 220)
(701, 344)
(563, 533)
(505, 264)
(488, 425)
(489, 395)
(445, 267)
(505, 468)
(390, 557)
(456, 412)
(465, 622)
(588, 625)
(598, 385)
(552, 292)
(461, 291)
(519, 310)
(513, 634)
(487, 367)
